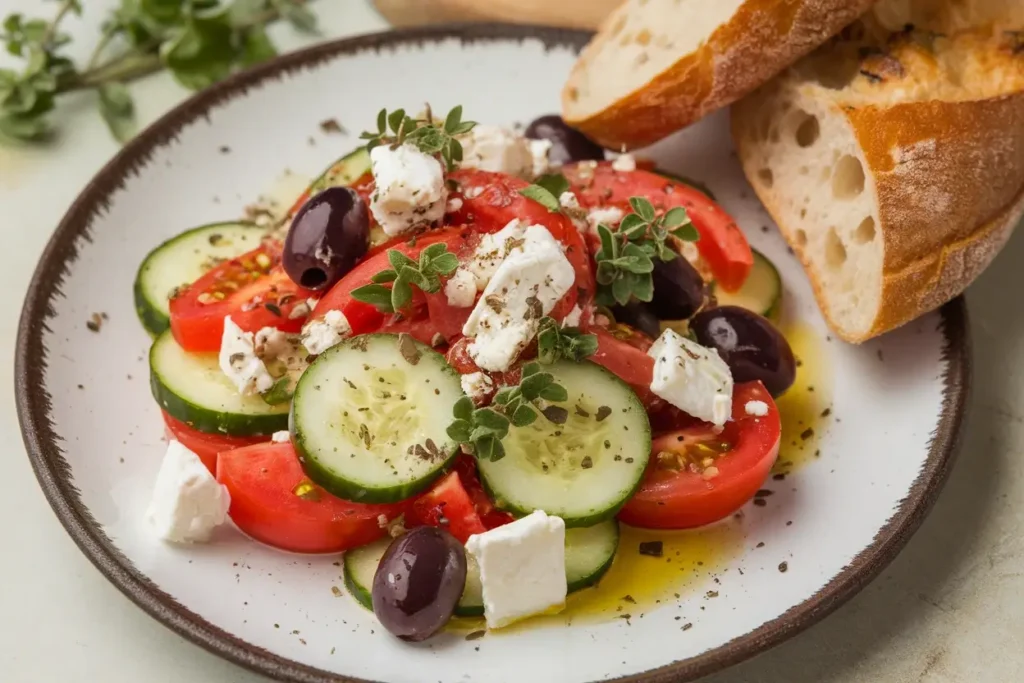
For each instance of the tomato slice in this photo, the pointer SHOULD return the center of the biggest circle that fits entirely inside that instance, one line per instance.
(265, 482)
(722, 244)
(626, 358)
(446, 505)
(253, 289)
(680, 496)
(490, 515)
(205, 445)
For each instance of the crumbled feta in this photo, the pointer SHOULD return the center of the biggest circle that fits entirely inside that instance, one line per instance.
(410, 188)
(573, 317)
(473, 192)
(539, 151)
(624, 162)
(238, 360)
(609, 216)
(454, 204)
(522, 568)
(493, 148)
(282, 436)
(571, 206)
(320, 335)
(492, 251)
(756, 408)
(461, 289)
(568, 200)
(691, 377)
(533, 276)
(477, 386)
(187, 503)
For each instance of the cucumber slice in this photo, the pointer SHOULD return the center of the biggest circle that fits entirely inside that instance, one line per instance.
(589, 553)
(369, 417)
(181, 261)
(761, 293)
(585, 470)
(192, 389)
(345, 171)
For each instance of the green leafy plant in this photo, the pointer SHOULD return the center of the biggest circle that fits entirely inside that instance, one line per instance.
(480, 430)
(199, 41)
(430, 136)
(546, 190)
(555, 342)
(405, 273)
(626, 258)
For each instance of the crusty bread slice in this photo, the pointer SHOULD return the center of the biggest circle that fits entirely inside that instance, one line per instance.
(893, 166)
(656, 66)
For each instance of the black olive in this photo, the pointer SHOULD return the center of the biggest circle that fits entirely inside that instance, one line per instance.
(678, 289)
(567, 144)
(418, 583)
(638, 315)
(749, 344)
(327, 238)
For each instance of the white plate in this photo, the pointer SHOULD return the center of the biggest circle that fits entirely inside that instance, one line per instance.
(95, 436)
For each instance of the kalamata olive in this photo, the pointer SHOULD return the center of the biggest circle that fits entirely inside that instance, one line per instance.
(567, 144)
(327, 238)
(749, 344)
(418, 583)
(638, 315)
(678, 289)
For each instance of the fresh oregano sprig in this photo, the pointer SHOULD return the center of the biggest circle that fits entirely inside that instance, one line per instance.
(405, 273)
(546, 190)
(555, 342)
(626, 258)
(480, 430)
(199, 41)
(429, 136)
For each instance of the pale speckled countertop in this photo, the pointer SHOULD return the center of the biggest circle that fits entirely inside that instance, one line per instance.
(950, 608)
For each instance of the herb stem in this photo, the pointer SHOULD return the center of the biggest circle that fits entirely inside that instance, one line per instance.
(108, 35)
(51, 28)
(128, 67)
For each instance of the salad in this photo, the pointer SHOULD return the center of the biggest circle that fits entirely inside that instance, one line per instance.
(465, 357)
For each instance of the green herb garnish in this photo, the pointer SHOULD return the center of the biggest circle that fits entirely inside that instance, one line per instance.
(404, 273)
(555, 342)
(280, 392)
(480, 430)
(547, 190)
(199, 41)
(429, 136)
(626, 258)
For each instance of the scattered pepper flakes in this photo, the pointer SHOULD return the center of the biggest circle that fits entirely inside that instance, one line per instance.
(711, 594)
(880, 356)
(652, 548)
(629, 599)
(779, 477)
(332, 126)
(336, 591)
(602, 413)
(760, 502)
(760, 545)
(587, 462)
(476, 635)
(784, 567)
(764, 493)
(224, 149)
(95, 322)
(826, 412)
(687, 626)
(807, 433)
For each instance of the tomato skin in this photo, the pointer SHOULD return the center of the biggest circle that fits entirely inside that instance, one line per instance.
(446, 505)
(628, 360)
(722, 244)
(250, 281)
(684, 499)
(262, 479)
(490, 515)
(205, 445)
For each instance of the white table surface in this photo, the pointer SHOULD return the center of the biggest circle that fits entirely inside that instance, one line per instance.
(950, 609)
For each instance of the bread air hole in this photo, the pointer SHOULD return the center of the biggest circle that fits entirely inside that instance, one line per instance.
(848, 178)
(835, 252)
(865, 232)
(766, 177)
(808, 132)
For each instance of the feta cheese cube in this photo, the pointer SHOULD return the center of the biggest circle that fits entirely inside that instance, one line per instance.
(238, 360)
(522, 568)
(691, 377)
(492, 251)
(610, 216)
(572, 318)
(493, 148)
(187, 502)
(410, 189)
(533, 276)
(461, 289)
(283, 436)
(539, 151)
(477, 386)
(320, 335)
(756, 408)
(624, 162)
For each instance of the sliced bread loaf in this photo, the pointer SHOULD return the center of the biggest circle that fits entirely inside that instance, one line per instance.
(892, 162)
(656, 66)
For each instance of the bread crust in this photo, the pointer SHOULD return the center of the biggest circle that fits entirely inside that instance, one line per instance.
(760, 40)
(949, 177)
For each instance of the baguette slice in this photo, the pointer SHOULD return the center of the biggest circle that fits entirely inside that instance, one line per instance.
(656, 66)
(894, 168)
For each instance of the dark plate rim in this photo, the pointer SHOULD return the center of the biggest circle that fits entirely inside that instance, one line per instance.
(54, 473)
